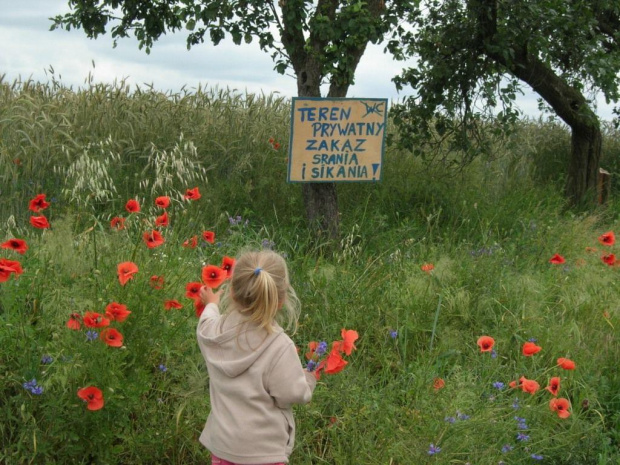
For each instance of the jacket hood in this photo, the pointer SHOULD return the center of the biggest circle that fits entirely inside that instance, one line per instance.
(234, 344)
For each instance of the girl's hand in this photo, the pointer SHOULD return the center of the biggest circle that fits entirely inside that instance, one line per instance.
(207, 296)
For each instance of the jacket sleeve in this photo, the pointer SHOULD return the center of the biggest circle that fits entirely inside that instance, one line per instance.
(210, 313)
(287, 382)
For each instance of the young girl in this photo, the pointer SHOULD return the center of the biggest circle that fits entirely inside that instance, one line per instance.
(255, 375)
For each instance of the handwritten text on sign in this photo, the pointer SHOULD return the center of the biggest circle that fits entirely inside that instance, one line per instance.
(336, 139)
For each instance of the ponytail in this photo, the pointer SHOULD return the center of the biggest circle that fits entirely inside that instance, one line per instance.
(260, 288)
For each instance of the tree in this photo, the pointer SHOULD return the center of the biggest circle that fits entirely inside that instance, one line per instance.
(473, 51)
(321, 41)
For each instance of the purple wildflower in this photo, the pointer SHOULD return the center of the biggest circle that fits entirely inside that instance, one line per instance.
(163, 368)
(450, 419)
(91, 335)
(537, 456)
(46, 359)
(522, 437)
(311, 365)
(33, 387)
(498, 385)
(506, 448)
(321, 348)
(432, 450)
(393, 334)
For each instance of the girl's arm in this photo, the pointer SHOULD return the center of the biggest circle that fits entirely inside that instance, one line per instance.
(288, 383)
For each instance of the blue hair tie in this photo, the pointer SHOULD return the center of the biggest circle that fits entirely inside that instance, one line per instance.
(257, 271)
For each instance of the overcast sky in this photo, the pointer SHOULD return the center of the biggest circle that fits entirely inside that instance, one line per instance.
(29, 49)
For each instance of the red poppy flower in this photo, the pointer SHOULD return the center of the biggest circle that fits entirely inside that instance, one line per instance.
(320, 367)
(528, 385)
(607, 238)
(95, 320)
(7, 267)
(276, 145)
(609, 259)
(529, 349)
(554, 386)
(17, 161)
(485, 343)
(213, 276)
(271, 140)
(39, 222)
(209, 236)
(512, 384)
(93, 396)
(173, 303)
(18, 245)
(162, 220)
(199, 307)
(125, 271)
(227, 265)
(427, 267)
(132, 206)
(438, 384)
(117, 312)
(560, 406)
(192, 194)
(337, 346)
(334, 363)
(117, 223)
(349, 336)
(74, 322)
(157, 282)
(163, 201)
(153, 239)
(111, 337)
(557, 259)
(192, 290)
(566, 363)
(38, 203)
(191, 243)
(312, 345)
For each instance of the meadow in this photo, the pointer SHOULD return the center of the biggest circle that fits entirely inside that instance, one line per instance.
(431, 261)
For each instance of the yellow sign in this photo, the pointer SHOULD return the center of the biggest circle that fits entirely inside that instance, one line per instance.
(336, 139)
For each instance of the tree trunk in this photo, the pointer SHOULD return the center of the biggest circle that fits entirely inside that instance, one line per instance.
(567, 101)
(320, 199)
(570, 105)
(582, 181)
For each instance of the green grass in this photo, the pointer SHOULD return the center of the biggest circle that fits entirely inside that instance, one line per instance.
(489, 229)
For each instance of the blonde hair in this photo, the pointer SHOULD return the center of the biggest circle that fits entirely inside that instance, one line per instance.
(260, 291)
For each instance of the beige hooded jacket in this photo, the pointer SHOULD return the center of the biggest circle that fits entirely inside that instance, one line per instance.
(254, 379)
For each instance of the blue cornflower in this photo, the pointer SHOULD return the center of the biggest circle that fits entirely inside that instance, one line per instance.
(537, 457)
(522, 437)
(321, 348)
(268, 244)
(506, 448)
(33, 387)
(163, 368)
(91, 335)
(46, 359)
(393, 334)
(311, 365)
(450, 419)
(493, 354)
(515, 404)
(432, 450)
(462, 416)
(498, 385)
(533, 339)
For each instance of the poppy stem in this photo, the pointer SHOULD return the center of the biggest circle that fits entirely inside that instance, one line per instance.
(435, 322)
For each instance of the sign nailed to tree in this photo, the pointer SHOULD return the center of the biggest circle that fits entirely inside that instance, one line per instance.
(336, 139)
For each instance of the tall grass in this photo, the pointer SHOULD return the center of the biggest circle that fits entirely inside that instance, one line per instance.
(489, 230)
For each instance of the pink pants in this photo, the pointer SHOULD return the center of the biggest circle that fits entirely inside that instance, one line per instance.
(218, 461)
